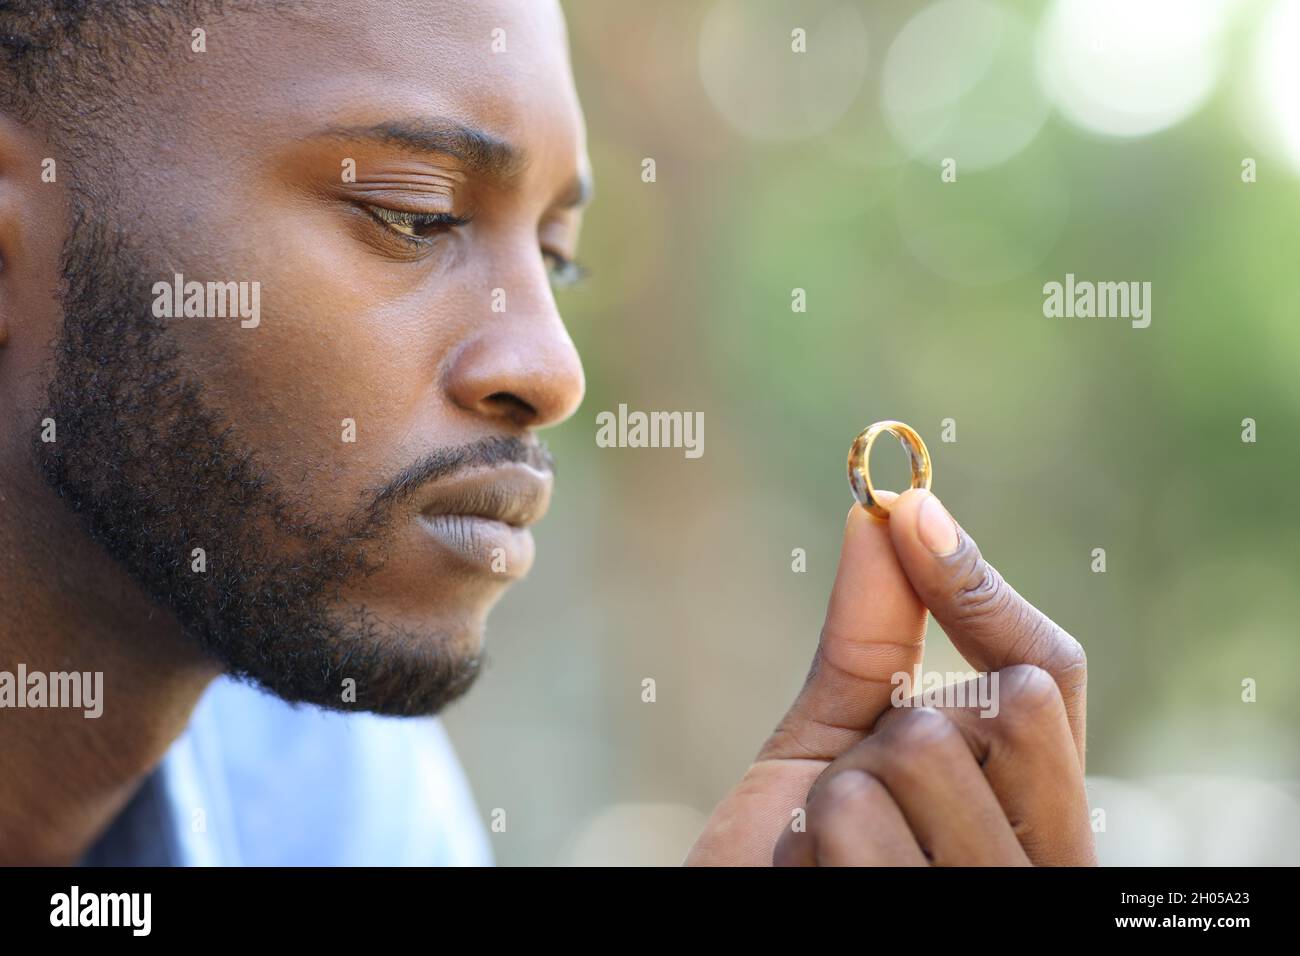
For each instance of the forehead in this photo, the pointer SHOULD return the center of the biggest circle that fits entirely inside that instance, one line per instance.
(498, 65)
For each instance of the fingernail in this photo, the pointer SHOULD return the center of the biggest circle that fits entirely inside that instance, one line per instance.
(937, 529)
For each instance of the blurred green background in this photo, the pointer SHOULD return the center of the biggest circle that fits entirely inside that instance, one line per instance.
(1103, 138)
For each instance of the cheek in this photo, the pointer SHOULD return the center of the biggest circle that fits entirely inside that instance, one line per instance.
(343, 350)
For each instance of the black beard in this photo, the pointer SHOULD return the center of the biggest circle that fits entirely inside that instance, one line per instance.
(153, 473)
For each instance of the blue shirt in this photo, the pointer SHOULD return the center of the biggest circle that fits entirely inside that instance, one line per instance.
(254, 781)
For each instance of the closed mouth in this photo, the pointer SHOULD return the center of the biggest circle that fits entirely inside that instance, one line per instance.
(516, 495)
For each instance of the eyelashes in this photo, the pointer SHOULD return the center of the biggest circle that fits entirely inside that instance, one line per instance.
(420, 231)
(417, 226)
(564, 273)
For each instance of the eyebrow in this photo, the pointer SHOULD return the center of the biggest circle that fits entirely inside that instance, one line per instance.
(481, 152)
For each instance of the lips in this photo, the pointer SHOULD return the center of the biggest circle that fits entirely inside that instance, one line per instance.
(517, 495)
(483, 516)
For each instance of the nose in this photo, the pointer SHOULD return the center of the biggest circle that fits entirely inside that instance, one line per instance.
(519, 365)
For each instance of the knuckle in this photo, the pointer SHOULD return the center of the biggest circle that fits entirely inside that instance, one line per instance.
(921, 744)
(786, 852)
(1028, 694)
(1068, 662)
(982, 592)
(849, 792)
(985, 600)
(922, 732)
(1058, 653)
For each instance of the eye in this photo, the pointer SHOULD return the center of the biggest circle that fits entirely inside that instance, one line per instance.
(564, 273)
(417, 227)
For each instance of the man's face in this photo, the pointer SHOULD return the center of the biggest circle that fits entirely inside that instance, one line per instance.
(410, 310)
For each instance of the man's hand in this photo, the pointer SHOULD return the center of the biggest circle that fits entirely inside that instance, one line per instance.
(909, 785)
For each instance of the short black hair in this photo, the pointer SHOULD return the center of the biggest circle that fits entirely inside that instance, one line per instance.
(64, 61)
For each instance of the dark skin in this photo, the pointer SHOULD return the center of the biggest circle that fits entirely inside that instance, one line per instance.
(900, 786)
(388, 321)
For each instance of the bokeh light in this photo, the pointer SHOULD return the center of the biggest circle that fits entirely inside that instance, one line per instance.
(924, 302)
(761, 86)
(959, 82)
(1277, 76)
(1127, 68)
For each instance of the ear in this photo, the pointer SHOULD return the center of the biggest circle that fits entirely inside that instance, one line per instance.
(33, 223)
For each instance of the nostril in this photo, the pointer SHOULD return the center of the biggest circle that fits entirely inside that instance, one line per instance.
(512, 406)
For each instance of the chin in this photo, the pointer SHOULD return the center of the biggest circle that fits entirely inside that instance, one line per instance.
(455, 624)
(407, 665)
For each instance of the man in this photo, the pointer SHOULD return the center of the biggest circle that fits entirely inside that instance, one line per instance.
(278, 333)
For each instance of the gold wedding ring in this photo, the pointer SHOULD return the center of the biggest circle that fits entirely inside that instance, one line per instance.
(860, 457)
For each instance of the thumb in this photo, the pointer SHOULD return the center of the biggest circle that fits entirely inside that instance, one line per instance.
(874, 629)
(988, 622)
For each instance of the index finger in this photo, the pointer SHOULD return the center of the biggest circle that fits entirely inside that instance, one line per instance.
(988, 622)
